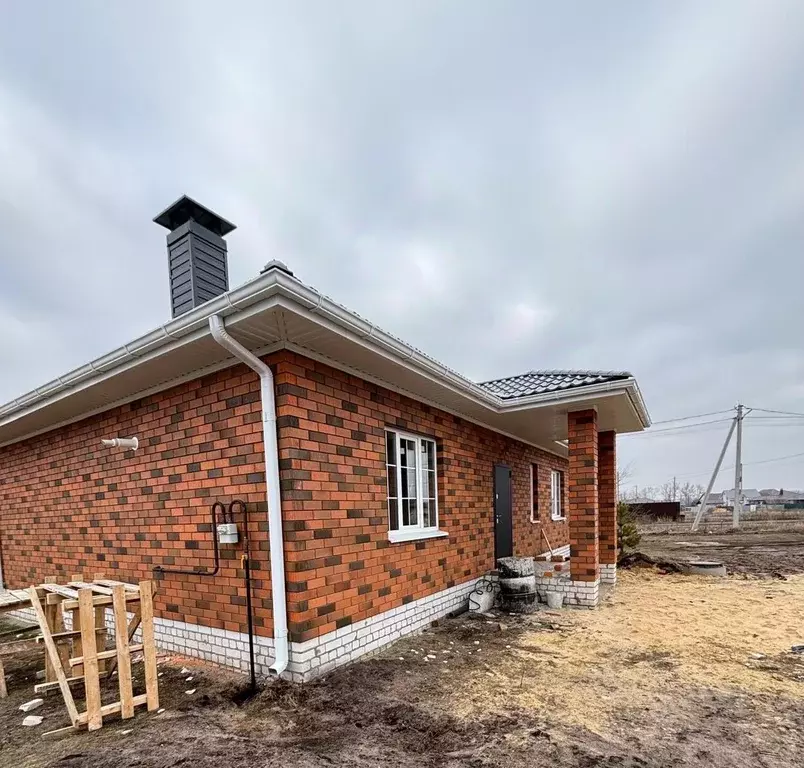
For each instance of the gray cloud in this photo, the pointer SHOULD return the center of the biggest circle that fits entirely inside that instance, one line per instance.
(506, 186)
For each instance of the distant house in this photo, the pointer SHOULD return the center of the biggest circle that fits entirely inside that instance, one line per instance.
(749, 496)
(770, 497)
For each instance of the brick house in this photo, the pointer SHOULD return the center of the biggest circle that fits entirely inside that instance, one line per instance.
(380, 484)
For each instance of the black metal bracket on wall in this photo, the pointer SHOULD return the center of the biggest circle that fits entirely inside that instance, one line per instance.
(218, 505)
(227, 515)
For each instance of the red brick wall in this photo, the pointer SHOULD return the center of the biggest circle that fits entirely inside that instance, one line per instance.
(583, 495)
(341, 567)
(69, 506)
(607, 496)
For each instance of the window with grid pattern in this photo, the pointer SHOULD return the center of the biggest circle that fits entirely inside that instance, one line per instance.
(556, 493)
(412, 482)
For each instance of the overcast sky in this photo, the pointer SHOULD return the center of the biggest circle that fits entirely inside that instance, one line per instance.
(505, 185)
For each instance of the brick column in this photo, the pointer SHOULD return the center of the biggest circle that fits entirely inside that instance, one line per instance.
(607, 500)
(582, 512)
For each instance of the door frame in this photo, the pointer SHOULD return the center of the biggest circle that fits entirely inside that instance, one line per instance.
(494, 507)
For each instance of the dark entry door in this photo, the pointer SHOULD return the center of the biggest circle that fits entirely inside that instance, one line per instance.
(503, 524)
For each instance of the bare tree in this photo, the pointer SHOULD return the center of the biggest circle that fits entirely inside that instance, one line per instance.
(690, 493)
(624, 474)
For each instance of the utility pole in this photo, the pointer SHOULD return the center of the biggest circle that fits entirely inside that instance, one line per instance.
(705, 497)
(738, 471)
(674, 488)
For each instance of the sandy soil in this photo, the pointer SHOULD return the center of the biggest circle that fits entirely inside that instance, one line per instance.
(765, 553)
(667, 673)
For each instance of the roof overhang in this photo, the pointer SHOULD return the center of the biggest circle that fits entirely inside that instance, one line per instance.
(276, 311)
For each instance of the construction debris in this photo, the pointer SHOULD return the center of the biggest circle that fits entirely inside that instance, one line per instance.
(29, 706)
(32, 720)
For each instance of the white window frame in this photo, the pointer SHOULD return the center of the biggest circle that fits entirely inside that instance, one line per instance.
(417, 531)
(557, 495)
(534, 490)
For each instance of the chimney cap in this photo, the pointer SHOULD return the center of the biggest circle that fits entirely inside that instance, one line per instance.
(186, 209)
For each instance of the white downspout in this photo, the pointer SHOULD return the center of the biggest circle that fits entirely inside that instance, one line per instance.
(275, 535)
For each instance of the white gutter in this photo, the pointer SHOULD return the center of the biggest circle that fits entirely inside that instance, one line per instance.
(248, 298)
(275, 535)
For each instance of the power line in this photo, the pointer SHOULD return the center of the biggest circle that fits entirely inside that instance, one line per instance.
(697, 416)
(761, 461)
(778, 458)
(649, 432)
(785, 413)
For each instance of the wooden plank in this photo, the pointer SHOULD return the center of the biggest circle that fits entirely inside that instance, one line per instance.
(54, 655)
(113, 583)
(133, 625)
(114, 708)
(45, 687)
(66, 635)
(14, 600)
(57, 589)
(97, 588)
(3, 689)
(50, 615)
(100, 623)
(15, 646)
(101, 655)
(78, 646)
(91, 682)
(100, 601)
(60, 732)
(123, 653)
(149, 646)
(58, 626)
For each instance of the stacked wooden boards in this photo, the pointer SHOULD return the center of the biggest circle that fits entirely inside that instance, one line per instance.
(79, 654)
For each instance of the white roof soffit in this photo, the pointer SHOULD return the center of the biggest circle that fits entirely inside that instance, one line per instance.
(275, 310)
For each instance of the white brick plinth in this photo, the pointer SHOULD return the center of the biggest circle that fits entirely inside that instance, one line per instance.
(313, 657)
(322, 654)
(608, 574)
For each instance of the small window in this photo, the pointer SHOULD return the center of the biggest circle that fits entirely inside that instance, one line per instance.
(534, 493)
(556, 494)
(412, 485)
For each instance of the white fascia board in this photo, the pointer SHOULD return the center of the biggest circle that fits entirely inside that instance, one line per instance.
(588, 392)
(260, 294)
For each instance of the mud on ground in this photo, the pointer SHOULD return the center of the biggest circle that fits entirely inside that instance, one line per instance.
(761, 554)
(672, 671)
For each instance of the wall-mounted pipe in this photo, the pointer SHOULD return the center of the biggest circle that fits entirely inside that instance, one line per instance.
(273, 497)
(128, 443)
(215, 549)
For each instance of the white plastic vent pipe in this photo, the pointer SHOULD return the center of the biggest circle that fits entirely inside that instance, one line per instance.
(275, 535)
(129, 443)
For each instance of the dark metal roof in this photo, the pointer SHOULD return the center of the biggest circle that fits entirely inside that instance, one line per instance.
(539, 382)
(186, 209)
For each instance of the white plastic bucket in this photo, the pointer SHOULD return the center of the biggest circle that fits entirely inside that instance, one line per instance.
(555, 600)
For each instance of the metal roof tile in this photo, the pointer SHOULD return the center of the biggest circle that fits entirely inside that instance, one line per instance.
(540, 382)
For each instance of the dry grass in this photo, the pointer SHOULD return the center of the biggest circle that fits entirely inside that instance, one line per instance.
(657, 634)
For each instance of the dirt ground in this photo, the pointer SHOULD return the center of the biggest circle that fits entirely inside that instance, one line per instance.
(761, 553)
(671, 671)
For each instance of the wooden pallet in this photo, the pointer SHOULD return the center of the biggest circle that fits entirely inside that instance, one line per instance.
(74, 656)
(14, 600)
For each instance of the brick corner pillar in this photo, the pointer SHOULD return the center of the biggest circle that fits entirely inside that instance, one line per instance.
(582, 511)
(607, 501)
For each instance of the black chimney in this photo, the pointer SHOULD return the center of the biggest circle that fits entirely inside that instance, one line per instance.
(196, 254)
